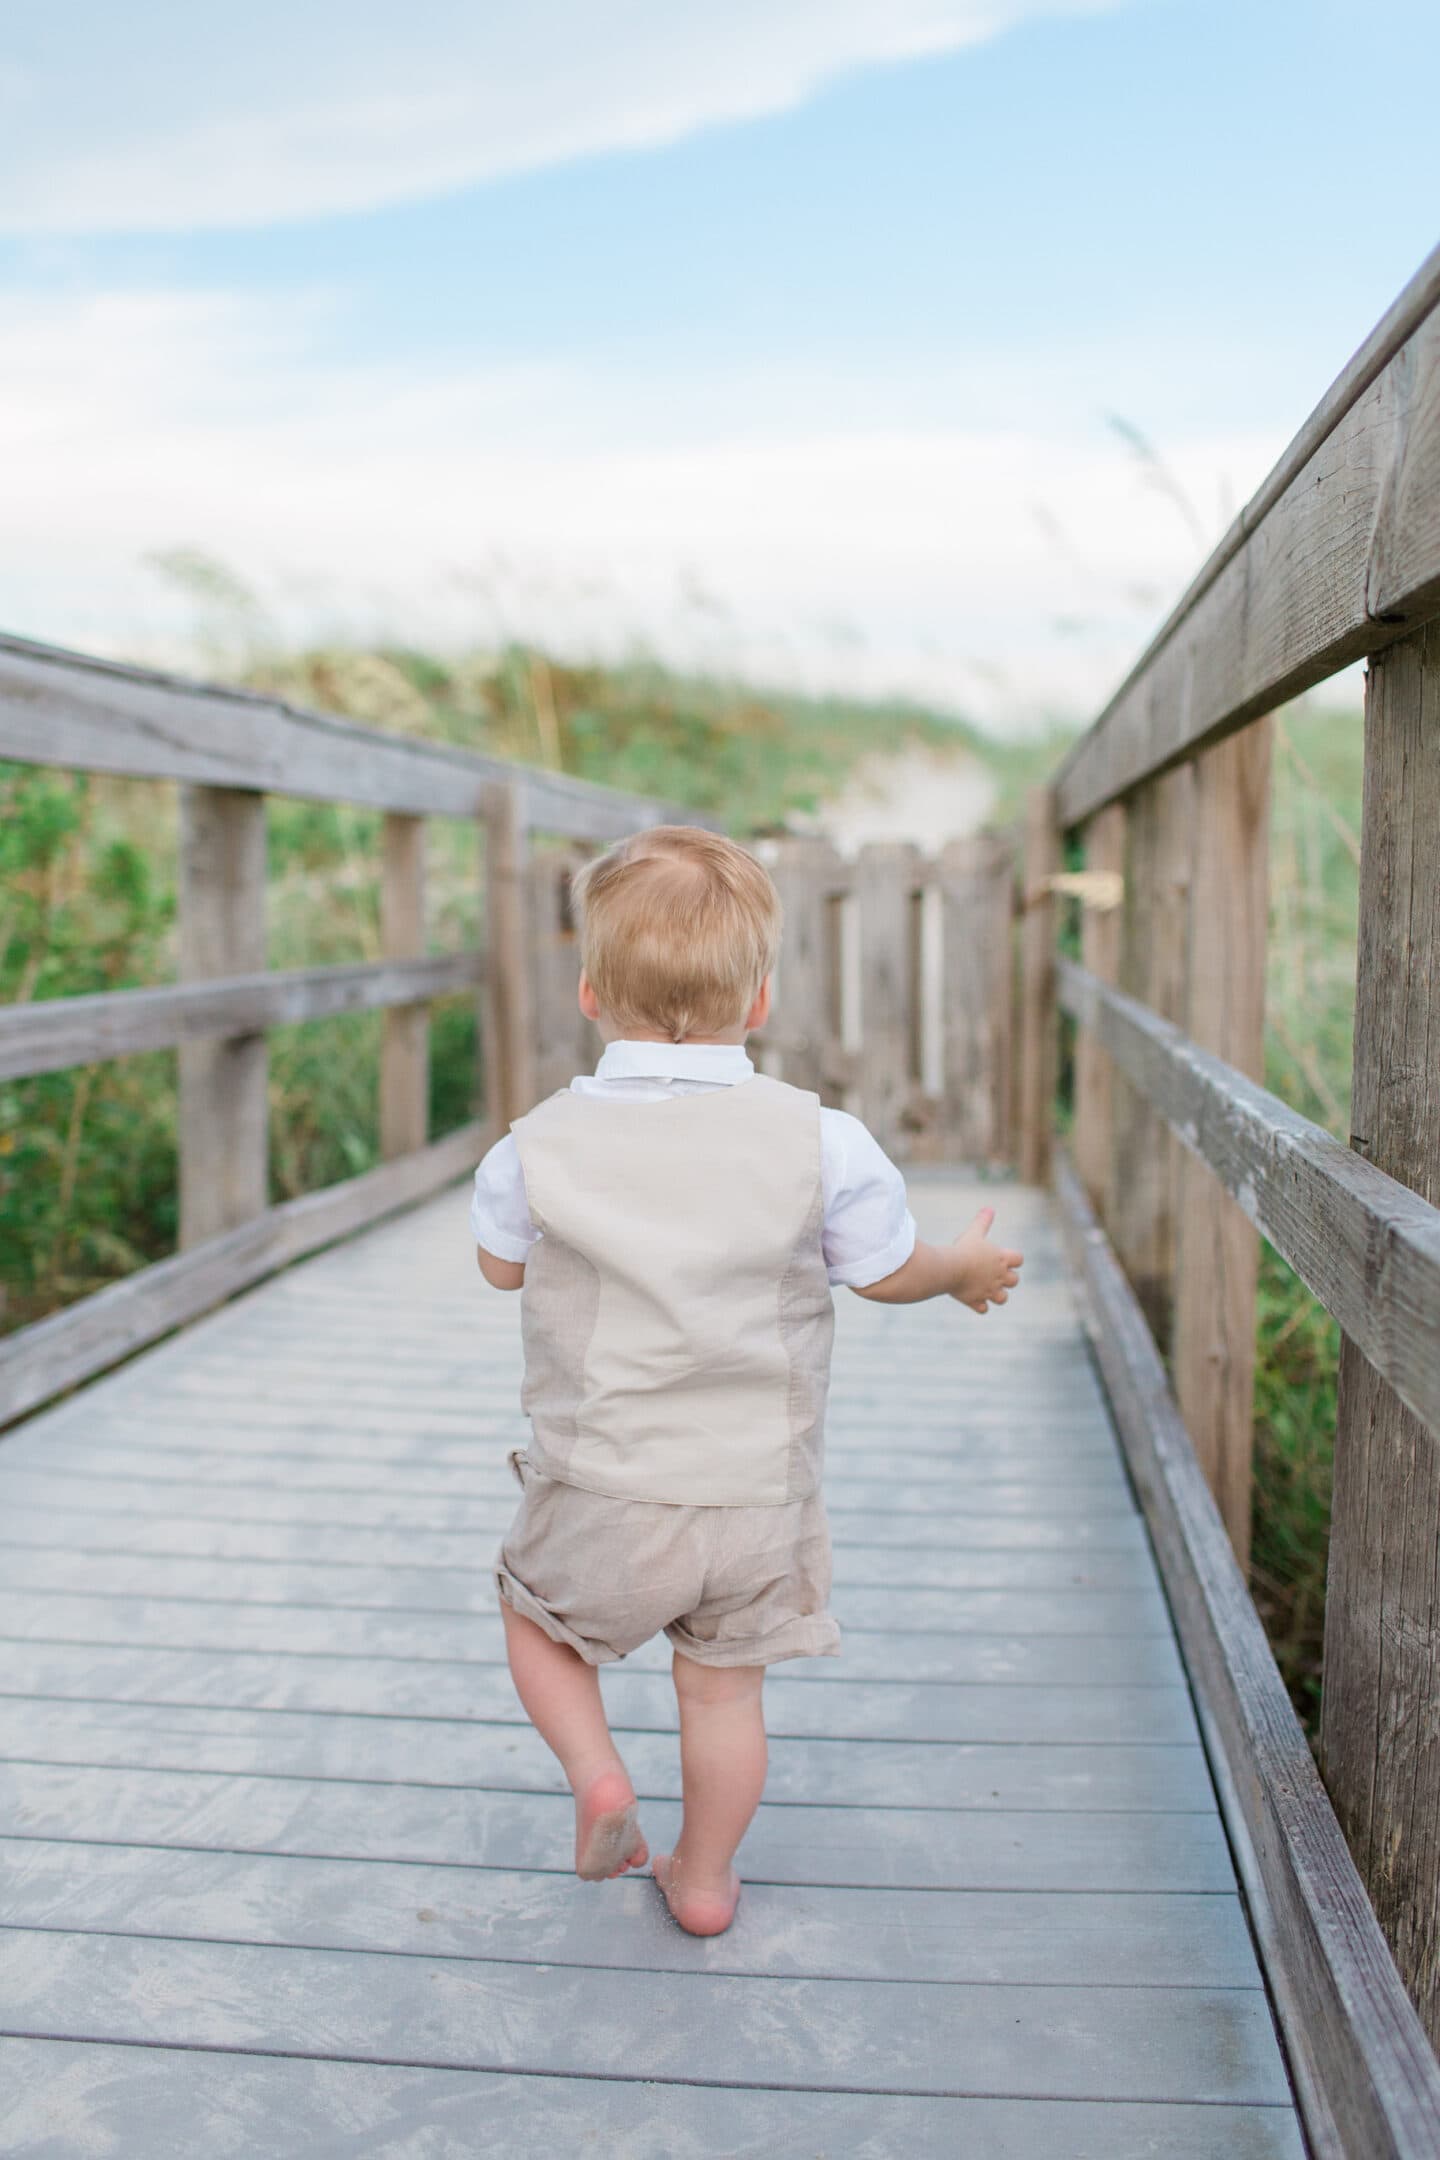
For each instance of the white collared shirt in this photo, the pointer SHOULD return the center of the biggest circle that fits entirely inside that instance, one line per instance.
(868, 1230)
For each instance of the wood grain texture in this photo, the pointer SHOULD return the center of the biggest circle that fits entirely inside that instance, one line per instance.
(1144, 1192)
(1039, 1031)
(57, 1032)
(977, 880)
(803, 1030)
(41, 1360)
(886, 876)
(1366, 1245)
(1368, 2082)
(565, 1042)
(1380, 1748)
(1217, 1251)
(126, 2103)
(1336, 556)
(224, 1136)
(1093, 1139)
(405, 1034)
(63, 708)
(264, 1782)
(509, 1032)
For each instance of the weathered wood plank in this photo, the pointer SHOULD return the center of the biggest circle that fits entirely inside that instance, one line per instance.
(233, 1536)
(405, 1035)
(127, 2103)
(63, 708)
(1380, 1747)
(1141, 1204)
(1335, 557)
(1091, 1609)
(977, 881)
(402, 1690)
(1039, 1037)
(509, 1031)
(452, 1646)
(92, 1496)
(1080, 2042)
(1141, 1939)
(54, 1354)
(1368, 2082)
(1094, 1137)
(224, 1106)
(803, 1032)
(886, 875)
(57, 1032)
(895, 1848)
(1122, 1776)
(564, 1042)
(1366, 1245)
(1217, 1260)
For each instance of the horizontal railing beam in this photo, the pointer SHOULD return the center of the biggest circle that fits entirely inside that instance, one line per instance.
(1368, 2083)
(1335, 557)
(61, 708)
(51, 1355)
(54, 1033)
(1367, 1246)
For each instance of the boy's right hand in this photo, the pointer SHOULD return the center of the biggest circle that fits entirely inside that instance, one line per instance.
(985, 1273)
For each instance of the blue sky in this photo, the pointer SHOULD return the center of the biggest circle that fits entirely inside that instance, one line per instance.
(776, 336)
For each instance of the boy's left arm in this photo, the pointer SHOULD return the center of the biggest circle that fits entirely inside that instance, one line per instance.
(500, 1217)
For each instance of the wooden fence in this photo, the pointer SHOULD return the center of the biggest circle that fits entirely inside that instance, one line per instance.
(1180, 1158)
(228, 750)
(894, 996)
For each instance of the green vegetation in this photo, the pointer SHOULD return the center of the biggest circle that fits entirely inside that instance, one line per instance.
(87, 903)
(88, 874)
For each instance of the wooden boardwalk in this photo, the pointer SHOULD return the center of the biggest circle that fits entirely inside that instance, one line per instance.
(285, 1873)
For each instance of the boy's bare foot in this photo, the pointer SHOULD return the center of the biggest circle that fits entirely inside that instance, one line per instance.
(699, 1912)
(608, 1837)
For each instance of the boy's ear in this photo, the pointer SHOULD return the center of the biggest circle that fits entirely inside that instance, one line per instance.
(587, 1000)
(759, 1012)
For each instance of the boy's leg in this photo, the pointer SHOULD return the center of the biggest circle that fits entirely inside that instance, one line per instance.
(561, 1695)
(722, 1762)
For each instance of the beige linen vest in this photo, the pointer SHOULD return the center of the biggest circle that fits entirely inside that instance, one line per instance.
(676, 1310)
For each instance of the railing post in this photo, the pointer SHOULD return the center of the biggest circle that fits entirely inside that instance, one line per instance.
(224, 1124)
(804, 871)
(976, 885)
(1217, 1251)
(509, 1050)
(1039, 1019)
(885, 875)
(1380, 1748)
(1154, 940)
(405, 1037)
(1100, 953)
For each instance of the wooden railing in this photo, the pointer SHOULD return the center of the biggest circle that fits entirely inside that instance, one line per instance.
(1179, 1157)
(228, 749)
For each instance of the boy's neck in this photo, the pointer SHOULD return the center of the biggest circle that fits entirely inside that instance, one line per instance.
(735, 1038)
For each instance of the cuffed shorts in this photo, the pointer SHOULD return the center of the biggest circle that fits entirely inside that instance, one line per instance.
(728, 1585)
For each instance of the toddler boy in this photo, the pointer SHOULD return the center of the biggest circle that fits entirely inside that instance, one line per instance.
(676, 1222)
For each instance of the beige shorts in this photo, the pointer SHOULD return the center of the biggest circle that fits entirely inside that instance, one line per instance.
(728, 1585)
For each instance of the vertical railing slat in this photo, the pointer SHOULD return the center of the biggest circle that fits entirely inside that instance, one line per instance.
(1217, 1250)
(1039, 1025)
(1380, 1740)
(224, 1138)
(405, 1035)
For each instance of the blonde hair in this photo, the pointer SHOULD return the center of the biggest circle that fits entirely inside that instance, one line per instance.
(678, 930)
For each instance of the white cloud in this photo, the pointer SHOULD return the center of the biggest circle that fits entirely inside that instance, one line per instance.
(175, 117)
(845, 558)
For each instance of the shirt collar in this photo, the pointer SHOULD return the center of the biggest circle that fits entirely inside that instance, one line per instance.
(723, 1064)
